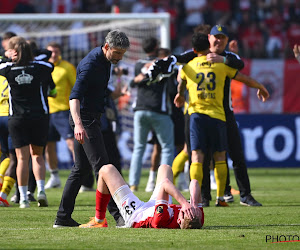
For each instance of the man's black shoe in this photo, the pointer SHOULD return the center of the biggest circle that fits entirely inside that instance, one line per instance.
(205, 202)
(228, 197)
(249, 201)
(30, 197)
(65, 223)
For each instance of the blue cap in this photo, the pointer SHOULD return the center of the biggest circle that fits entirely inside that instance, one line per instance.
(219, 30)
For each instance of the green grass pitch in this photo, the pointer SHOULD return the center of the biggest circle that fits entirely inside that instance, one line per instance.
(234, 227)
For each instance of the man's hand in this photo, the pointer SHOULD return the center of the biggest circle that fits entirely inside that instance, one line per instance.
(179, 101)
(139, 78)
(233, 46)
(11, 53)
(80, 133)
(296, 51)
(189, 210)
(263, 94)
(214, 58)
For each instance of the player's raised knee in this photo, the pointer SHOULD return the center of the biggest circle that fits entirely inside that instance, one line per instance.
(106, 168)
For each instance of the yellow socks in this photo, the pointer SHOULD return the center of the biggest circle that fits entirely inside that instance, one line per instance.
(178, 164)
(196, 172)
(7, 185)
(3, 167)
(221, 177)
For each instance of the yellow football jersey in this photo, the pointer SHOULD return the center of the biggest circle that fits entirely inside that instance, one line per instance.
(205, 83)
(64, 77)
(4, 102)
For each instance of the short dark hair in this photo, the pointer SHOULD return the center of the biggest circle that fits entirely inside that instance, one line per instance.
(8, 35)
(200, 42)
(55, 45)
(202, 28)
(163, 52)
(32, 44)
(150, 44)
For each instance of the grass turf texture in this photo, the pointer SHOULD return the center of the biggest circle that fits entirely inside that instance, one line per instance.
(234, 227)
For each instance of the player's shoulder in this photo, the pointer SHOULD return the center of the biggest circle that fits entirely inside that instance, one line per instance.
(6, 65)
(43, 64)
(232, 54)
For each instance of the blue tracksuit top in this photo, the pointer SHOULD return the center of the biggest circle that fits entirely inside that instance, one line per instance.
(93, 73)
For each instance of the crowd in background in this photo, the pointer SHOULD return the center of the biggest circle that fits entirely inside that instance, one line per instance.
(263, 28)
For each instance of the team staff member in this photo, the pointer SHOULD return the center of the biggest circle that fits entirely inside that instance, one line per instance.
(205, 82)
(157, 212)
(218, 39)
(29, 82)
(64, 77)
(87, 102)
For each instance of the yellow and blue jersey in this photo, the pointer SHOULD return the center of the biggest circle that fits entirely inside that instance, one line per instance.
(4, 97)
(64, 77)
(205, 83)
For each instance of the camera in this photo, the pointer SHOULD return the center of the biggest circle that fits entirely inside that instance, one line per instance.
(124, 71)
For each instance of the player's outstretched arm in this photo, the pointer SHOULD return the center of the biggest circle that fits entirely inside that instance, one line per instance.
(262, 92)
(195, 198)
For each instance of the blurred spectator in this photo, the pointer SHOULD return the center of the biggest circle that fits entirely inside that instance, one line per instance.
(94, 6)
(293, 37)
(264, 8)
(194, 10)
(126, 5)
(142, 6)
(252, 41)
(168, 6)
(41, 6)
(184, 44)
(239, 96)
(64, 6)
(273, 26)
(221, 11)
(25, 6)
(8, 6)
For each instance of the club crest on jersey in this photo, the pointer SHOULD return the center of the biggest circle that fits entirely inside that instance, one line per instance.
(24, 78)
(159, 209)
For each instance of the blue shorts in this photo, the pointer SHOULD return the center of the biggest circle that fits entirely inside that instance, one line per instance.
(5, 138)
(4, 134)
(207, 132)
(59, 126)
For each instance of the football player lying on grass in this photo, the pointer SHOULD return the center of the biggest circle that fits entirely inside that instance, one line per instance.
(158, 212)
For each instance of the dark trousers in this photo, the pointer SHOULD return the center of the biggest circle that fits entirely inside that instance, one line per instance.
(113, 153)
(236, 153)
(93, 151)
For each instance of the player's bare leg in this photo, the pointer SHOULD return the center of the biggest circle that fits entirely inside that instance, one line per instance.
(51, 158)
(39, 170)
(23, 155)
(109, 180)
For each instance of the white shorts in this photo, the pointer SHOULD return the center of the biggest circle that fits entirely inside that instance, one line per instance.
(132, 208)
